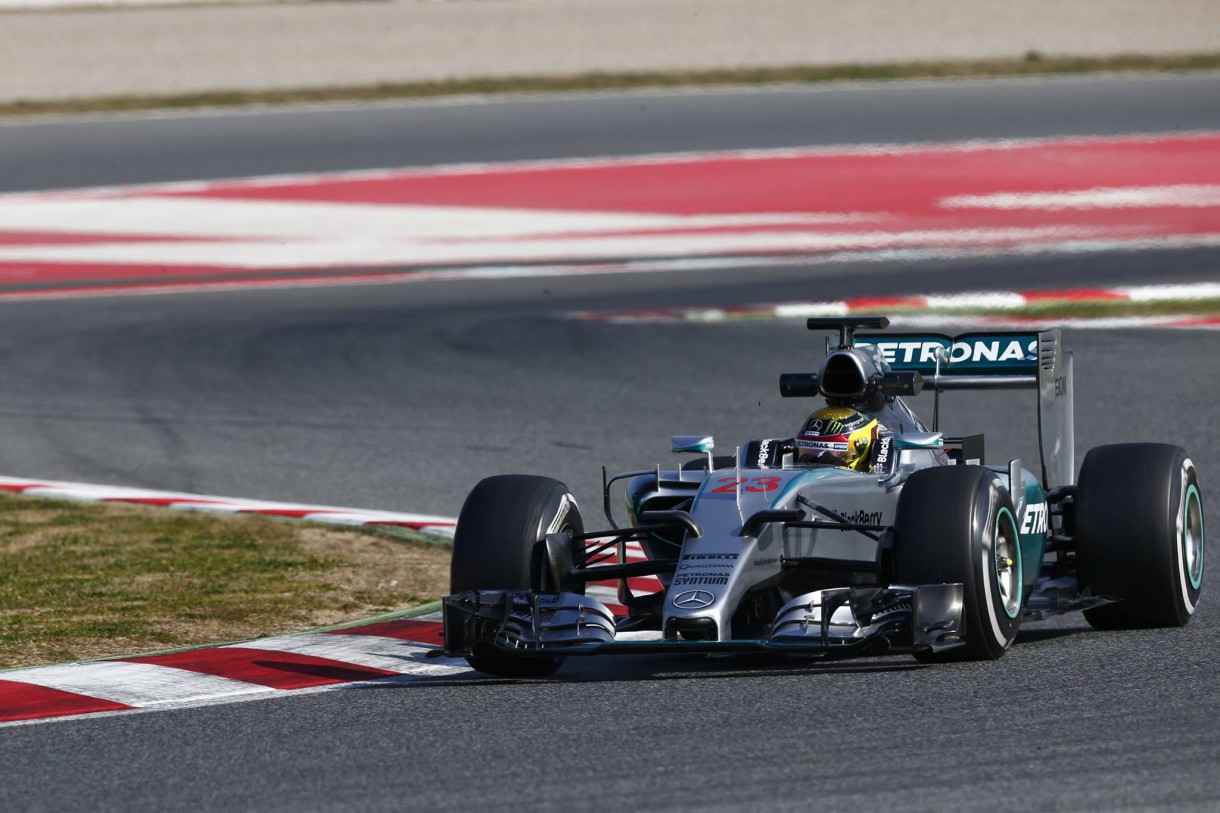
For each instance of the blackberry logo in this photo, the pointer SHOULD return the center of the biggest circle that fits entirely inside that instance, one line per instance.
(883, 450)
(863, 517)
(764, 453)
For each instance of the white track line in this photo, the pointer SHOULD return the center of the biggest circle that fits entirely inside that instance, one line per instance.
(134, 684)
(390, 654)
(88, 492)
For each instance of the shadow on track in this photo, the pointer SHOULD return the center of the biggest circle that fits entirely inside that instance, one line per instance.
(1040, 634)
(618, 669)
(585, 670)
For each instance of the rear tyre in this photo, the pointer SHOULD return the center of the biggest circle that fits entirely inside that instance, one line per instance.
(498, 546)
(1139, 535)
(957, 524)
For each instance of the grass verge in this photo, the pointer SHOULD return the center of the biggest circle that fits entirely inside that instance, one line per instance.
(81, 581)
(1097, 310)
(1032, 64)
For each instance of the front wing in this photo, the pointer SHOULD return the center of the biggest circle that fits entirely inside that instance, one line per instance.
(840, 622)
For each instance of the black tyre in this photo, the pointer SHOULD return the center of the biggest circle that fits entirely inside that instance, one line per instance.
(957, 524)
(498, 546)
(1139, 535)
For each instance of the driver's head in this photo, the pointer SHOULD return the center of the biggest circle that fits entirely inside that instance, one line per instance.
(840, 436)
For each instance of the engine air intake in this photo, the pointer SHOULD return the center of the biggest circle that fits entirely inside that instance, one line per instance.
(842, 376)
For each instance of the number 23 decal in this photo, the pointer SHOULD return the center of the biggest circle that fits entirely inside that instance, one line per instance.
(757, 484)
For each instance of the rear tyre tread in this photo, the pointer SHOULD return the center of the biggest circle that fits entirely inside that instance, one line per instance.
(1133, 504)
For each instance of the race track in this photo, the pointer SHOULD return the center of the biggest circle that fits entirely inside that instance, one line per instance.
(401, 397)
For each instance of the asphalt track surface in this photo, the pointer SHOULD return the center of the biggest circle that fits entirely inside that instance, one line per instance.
(401, 397)
(117, 149)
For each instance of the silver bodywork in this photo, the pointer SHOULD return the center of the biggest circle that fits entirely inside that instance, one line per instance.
(773, 555)
(727, 561)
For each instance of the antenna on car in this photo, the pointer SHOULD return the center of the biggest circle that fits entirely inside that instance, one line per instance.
(847, 326)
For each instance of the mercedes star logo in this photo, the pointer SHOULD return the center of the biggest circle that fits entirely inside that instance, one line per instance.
(693, 599)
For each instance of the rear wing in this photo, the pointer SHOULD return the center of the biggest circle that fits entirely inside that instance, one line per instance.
(996, 360)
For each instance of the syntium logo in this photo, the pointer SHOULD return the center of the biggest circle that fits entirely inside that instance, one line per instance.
(700, 578)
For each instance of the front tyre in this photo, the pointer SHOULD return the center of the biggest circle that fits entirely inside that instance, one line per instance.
(957, 524)
(498, 546)
(1139, 535)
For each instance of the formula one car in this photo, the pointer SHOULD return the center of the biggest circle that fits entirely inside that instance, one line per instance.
(925, 550)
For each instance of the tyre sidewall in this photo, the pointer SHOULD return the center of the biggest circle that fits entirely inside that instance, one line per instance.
(946, 533)
(1187, 590)
(991, 626)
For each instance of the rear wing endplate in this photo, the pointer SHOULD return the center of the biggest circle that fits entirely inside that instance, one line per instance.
(997, 360)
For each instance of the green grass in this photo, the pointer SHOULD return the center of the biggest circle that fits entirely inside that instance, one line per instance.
(80, 580)
(1033, 63)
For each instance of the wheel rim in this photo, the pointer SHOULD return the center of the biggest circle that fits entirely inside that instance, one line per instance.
(578, 555)
(1192, 537)
(1007, 557)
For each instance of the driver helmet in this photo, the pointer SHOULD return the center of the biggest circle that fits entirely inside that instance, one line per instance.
(840, 436)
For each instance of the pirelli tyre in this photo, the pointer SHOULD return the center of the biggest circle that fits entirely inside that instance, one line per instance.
(499, 545)
(1139, 535)
(957, 524)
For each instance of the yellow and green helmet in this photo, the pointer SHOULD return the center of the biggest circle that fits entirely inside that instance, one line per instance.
(840, 436)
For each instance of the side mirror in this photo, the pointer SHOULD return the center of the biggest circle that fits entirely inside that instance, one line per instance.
(798, 385)
(902, 383)
(692, 444)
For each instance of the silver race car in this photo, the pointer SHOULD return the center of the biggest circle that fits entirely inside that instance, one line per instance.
(783, 548)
